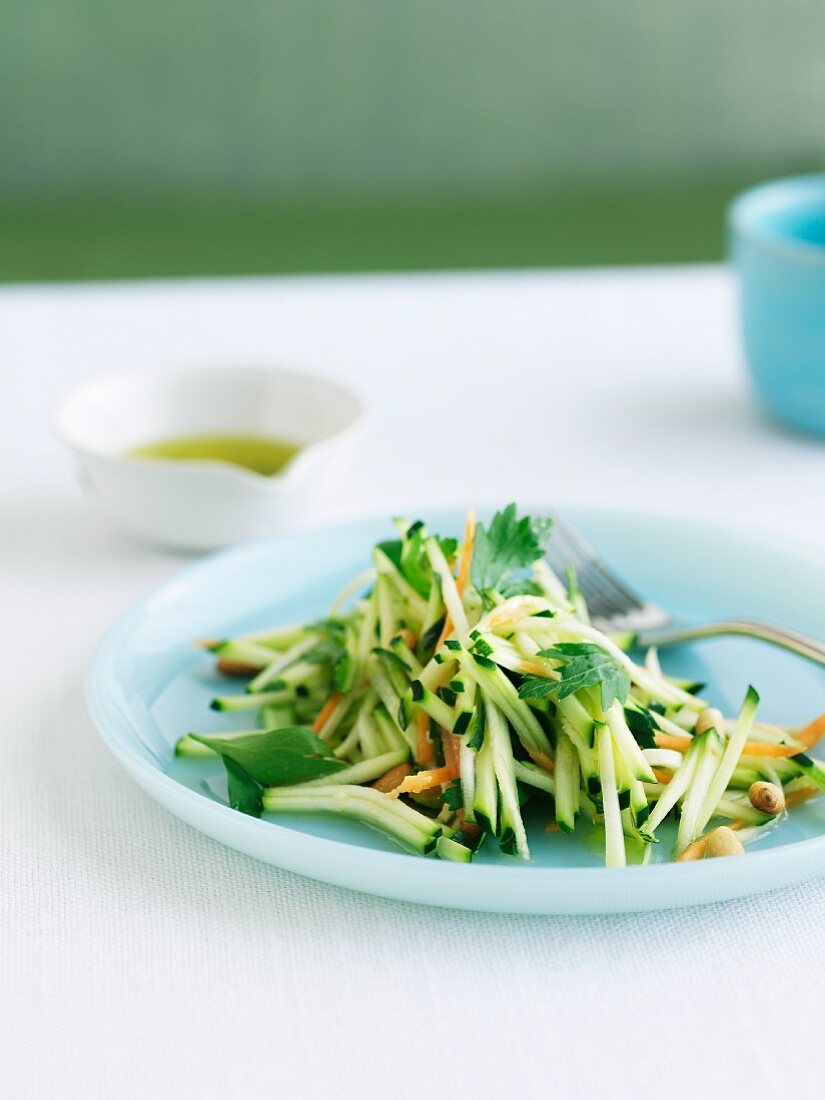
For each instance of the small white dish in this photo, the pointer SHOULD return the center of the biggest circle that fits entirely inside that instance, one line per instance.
(206, 504)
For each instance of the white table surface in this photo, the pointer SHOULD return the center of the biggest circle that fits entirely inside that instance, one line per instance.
(138, 958)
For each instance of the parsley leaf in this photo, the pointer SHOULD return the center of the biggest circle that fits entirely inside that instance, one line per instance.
(506, 547)
(328, 651)
(520, 586)
(273, 758)
(325, 626)
(344, 672)
(536, 687)
(642, 726)
(333, 651)
(409, 556)
(585, 665)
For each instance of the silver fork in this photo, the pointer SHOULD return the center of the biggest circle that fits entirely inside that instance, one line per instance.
(615, 607)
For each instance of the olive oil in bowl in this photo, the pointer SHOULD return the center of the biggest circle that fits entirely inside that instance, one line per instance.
(262, 454)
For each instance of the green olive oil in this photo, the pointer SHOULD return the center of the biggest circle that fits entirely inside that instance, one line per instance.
(263, 454)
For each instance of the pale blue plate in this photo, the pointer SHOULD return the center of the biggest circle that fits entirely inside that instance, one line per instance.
(147, 685)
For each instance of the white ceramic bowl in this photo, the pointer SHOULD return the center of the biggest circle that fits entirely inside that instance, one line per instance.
(204, 505)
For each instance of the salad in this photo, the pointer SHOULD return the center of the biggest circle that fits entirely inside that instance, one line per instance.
(454, 684)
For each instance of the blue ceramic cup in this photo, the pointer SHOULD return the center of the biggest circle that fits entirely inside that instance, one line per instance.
(777, 239)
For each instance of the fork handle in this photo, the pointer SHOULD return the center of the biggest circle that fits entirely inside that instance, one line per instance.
(780, 636)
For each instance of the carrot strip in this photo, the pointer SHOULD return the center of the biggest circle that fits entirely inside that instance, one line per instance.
(542, 760)
(450, 743)
(812, 732)
(407, 637)
(326, 711)
(662, 776)
(802, 794)
(671, 741)
(390, 780)
(445, 633)
(468, 828)
(236, 668)
(467, 551)
(423, 744)
(764, 748)
(424, 781)
(750, 748)
(463, 569)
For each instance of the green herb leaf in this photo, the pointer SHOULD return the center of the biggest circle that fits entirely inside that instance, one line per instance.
(244, 793)
(343, 673)
(277, 757)
(508, 546)
(392, 548)
(642, 726)
(519, 586)
(329, 651)
(448, 546)
(585, 665)
(536, 687)
(409, 556)
(325, 626)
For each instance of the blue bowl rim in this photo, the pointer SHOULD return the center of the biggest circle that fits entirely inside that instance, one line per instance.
(747, 209)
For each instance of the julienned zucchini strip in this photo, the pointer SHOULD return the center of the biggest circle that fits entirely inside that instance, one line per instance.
(458, 690)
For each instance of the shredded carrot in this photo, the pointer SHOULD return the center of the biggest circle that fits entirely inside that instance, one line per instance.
(424, 781)
(466, 551)
(407, 637)
(463, 569)
(542, 760)
(423, 744)
(750, 748)
(469, 828)
(326, 711)
(390, 780)
(802, 794)
(450, 743)
(770, 748)
(446, 631)
(812, 732)
(661, 775)
(236, 668)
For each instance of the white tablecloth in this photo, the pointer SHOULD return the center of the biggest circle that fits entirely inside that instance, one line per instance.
(141, 959)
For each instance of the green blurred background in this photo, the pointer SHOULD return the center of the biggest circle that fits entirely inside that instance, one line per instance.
(197, 137)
